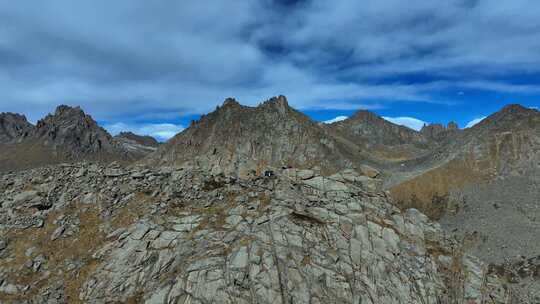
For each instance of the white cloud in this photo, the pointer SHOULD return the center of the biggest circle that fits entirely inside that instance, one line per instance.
(411, 122)
(161, 131)
(474, 121)
(335, 119)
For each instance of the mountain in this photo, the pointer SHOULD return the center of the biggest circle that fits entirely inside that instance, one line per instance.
(137, 145)
(504, 144)
(238, 138)
(66, 135)
(385, 141)
(70, 131)
(14, 128)
(263, 205)
(144, 140)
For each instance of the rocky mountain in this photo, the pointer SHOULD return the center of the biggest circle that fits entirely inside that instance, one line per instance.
(66, 135)
(70, 131)
(14, 128)
(139, 146)
(504, 144)
(236, 138)
(85, 233)
(143, 140)
(263, 205)
(385, 141)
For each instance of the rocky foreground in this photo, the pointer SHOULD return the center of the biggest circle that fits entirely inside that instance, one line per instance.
(84, 233)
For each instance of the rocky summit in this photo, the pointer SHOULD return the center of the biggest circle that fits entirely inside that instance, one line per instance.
(261, 204)
(241, 139)
(14, 127)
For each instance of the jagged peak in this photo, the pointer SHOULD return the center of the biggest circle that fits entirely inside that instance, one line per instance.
(65, 110)
(278, 100)
(14, 118)
(230, 101)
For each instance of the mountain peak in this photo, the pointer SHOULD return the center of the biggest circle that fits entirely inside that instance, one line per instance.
(365, 115)
(278, 100)
(14, 127)
(230, 102)
(508, 117)
(75, 132)
(514, 108)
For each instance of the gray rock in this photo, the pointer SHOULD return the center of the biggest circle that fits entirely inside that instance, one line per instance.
(58, 233)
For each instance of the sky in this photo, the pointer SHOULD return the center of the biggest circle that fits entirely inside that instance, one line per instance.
(153, 66)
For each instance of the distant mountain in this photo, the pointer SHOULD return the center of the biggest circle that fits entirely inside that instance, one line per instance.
(383, 140)
(242, 139)
(14, 128)
(71, 131)
(144, 140)
(136, 144)
(68, 134)
(504, 144)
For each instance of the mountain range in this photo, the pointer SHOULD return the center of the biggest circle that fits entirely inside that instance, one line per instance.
(350, 203)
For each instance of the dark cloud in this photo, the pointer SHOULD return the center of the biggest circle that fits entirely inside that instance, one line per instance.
(127, 62)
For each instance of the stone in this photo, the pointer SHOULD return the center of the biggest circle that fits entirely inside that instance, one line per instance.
(369, 171)
(58, 233)
(24, 197)
(305, 174)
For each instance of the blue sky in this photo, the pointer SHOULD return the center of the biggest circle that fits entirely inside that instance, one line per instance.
(151, 67)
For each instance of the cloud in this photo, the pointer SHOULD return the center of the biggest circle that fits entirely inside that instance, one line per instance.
(410, 122)
(335, 119)
(122, 63)
(474, 122)
(161, 131)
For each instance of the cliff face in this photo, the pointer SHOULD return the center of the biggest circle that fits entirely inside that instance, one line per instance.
(438, 132)
(237, 138)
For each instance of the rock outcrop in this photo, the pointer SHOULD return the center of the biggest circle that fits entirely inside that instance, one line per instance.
(438, 132)
(93, 234)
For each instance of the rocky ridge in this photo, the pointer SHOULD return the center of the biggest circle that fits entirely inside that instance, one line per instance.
(94, 234)
(242, 139)
(68, 134)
